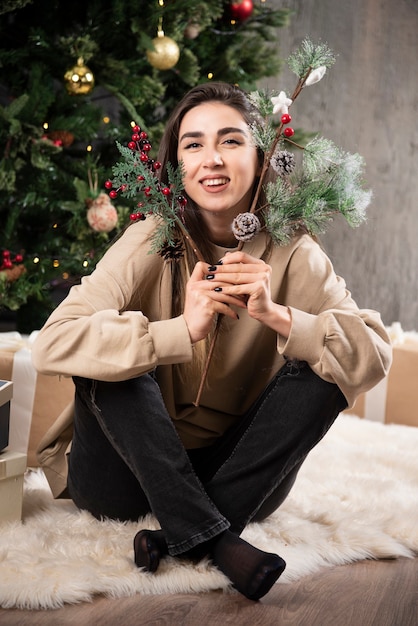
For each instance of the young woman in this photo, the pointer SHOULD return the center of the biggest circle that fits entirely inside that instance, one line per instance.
(293, 351)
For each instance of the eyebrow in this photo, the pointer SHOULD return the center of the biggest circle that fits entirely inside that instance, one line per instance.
(221, 132)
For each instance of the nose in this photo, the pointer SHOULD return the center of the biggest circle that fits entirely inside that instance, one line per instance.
(213, 158)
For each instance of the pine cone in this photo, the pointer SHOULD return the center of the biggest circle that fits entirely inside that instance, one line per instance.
(14, 273)
(172, 253)
(283, 162)
(245, 226)
(64, 136)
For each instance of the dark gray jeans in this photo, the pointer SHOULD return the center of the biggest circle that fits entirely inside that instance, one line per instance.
(127, 459)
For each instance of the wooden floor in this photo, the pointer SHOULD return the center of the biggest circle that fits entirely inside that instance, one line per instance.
(368, 593)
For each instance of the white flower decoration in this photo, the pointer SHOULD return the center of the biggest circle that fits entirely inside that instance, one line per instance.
(315, 76)
(281, 103)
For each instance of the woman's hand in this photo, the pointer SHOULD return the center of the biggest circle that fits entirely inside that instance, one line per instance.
(205, 299)
(239, 280)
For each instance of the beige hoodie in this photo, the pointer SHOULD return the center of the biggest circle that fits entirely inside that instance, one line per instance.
(117, 325)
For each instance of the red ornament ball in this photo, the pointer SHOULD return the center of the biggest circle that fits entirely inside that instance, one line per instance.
(288, 132)
(286, 118)
(241, 10)
(113, 194)
(108, 184)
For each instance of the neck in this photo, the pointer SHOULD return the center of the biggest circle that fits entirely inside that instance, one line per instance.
(219, 228)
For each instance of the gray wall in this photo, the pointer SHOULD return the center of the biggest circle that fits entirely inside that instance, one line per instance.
(367, 103)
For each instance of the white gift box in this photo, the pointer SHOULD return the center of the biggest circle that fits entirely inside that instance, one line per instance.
(6, 394)
(37, 399)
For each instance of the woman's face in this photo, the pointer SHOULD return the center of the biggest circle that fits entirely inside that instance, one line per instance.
(220, 159)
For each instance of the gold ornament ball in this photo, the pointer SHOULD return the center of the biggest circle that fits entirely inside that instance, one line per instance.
(79, 80)
(166, 53)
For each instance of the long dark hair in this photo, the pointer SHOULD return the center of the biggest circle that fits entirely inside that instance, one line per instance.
(229, 95)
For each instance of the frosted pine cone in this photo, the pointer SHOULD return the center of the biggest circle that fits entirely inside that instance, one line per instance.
(283, 162)
(245, 226)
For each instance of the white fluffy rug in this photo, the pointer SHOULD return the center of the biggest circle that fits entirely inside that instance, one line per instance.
(356, 497)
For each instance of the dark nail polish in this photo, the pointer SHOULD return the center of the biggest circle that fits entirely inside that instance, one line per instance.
(210, 276)
(212, 268)
(218, 289)
(220, 262)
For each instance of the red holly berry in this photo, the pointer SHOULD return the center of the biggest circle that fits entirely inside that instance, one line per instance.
(108, 184)
(135, 137)
(156, 165)
(140, 178)
(165, 191)
(6, 254)
(146, 147)
(143, 135)
(288, 132)
(136, 128)
(182, 201)
(113, 194)
(144, 157)
(147, 191)
(286, 118)
(18, 258)
(132, 145)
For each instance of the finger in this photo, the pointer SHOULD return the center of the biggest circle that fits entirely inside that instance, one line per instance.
(236, 300)
(239, 257)
(200, 271)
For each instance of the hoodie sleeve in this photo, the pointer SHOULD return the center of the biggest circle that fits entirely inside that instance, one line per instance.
(342, 343)
(101, 331)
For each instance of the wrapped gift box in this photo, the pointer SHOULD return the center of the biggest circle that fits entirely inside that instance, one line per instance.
(6, 394)
(12, 469)
(37, 399)
(395, 399)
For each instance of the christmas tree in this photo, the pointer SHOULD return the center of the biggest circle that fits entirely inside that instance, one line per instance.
(72, 81)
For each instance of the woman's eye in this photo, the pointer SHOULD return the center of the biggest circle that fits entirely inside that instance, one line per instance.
(192, 145)
(232, 141)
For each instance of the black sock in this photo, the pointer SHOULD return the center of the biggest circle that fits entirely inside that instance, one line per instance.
(149, 547)
(252, 571)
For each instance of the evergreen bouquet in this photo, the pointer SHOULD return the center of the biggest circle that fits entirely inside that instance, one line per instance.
(328, 181)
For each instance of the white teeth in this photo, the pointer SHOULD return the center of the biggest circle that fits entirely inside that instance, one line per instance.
(215, 181)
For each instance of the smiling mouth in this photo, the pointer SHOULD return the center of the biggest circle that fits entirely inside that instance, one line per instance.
(213, 182)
